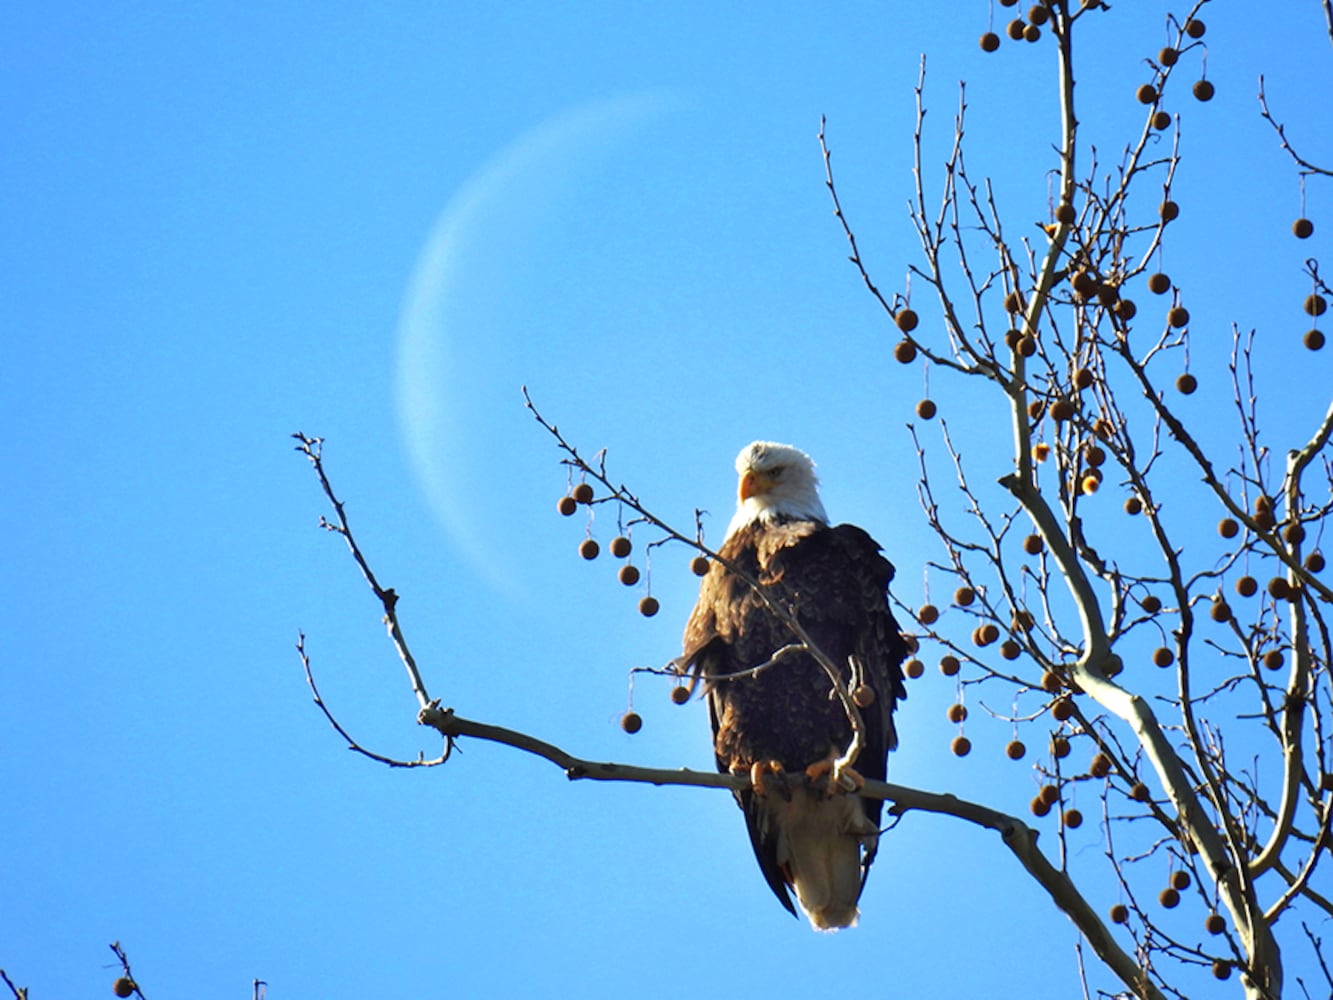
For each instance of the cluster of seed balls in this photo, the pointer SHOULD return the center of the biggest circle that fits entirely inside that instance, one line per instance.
(621, 547)
(1049, 795)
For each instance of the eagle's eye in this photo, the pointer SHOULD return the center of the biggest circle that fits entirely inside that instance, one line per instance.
(777, 471)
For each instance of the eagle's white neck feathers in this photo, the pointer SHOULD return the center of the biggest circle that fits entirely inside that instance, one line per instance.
(777, 483)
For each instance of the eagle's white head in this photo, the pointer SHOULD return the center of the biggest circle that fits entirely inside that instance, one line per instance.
(776, 481)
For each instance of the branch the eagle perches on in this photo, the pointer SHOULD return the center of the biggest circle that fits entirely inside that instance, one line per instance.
(1017, 836)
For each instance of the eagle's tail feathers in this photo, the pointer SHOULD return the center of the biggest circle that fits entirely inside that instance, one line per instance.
(819, 850)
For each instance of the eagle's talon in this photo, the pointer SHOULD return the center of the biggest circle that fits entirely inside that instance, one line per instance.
(826, 779)
(767, 775)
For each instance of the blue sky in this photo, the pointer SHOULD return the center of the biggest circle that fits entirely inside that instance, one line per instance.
(223, 224)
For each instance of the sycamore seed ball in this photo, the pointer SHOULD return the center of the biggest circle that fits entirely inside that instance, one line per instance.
(1220, 611)
(964, 596)
(1314, 562)
(906, 320)
(1073, 819)
(1015, 750)
(1100, 766)
(1204, 90)
(961, 746)
(123, 987)
(620, 546)
(1039, 807)
(1151, 604)
(1214, 923)
(680, 694)
(926, 409)
(1146, 93)
(1139, 792)
(1221, 969)
(1195, 28)
(582, 493)
(1063, 709)
(1120, 914)
(1126, 309)
(1159, 283)
(1050, 682)
(699, 565)
(1169, 898)
(567, 505)
(914, 669)
(1228, 528)
(1303, 229)
(905, 352)
(1315, 305)
(628, 575)
(1186, 384)
(1274, 659)
(1060, 747)
(1010, 650)
(1049, 794)
(1163, 657)
(1133, 505)
(1168, 56)
(1032, 544)
(990, 41)
(1031, 33)
(1014, 29)
(589, 549)
(863, 696)
(957, 713)
(949, 665)
(649, 606)
(1247, 586)
(1313, 339)
(631, 722)
(1161, 121)
(1180, 880)
(1065, 213)
(928, 614)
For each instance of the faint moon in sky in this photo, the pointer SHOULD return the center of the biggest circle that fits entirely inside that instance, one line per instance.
(459, 355)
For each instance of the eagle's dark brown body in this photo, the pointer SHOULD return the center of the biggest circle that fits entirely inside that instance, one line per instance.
(835, 581)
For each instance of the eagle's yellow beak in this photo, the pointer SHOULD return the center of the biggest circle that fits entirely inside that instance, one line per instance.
(753, 483)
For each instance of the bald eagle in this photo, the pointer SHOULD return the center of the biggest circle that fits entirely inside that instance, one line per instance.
(784, 717)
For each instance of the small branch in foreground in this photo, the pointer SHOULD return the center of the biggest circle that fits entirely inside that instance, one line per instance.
(127, 976)
(352, 744)
(312, 449)
(20, 992)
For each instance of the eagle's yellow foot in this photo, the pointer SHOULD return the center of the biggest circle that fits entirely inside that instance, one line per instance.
(820, 776)
(765, 775)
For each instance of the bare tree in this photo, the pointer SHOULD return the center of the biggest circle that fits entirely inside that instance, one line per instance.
(1179, 678)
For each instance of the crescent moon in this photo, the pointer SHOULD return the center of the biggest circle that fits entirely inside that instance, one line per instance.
(459, 351)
